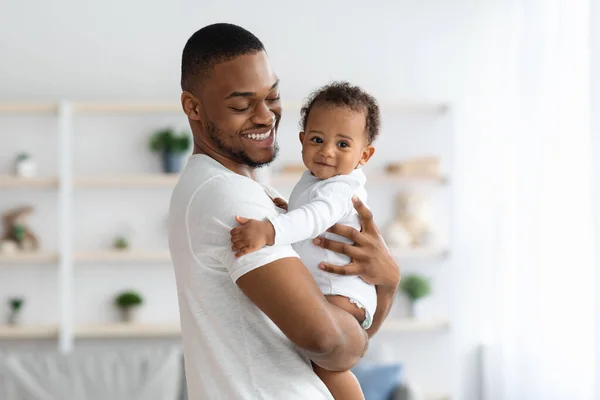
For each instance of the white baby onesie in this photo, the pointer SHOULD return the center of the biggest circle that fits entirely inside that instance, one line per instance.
(314, 206)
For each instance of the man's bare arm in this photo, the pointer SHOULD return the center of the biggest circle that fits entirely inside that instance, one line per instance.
(287, 293)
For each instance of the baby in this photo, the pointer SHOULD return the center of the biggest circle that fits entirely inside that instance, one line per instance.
(339, 124)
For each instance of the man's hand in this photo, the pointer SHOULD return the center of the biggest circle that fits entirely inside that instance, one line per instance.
(371, 259)
(251, 235)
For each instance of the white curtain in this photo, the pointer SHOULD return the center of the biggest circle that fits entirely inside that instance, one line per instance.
(541, 285)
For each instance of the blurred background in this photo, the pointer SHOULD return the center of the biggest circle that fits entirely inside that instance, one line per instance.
(484, 184)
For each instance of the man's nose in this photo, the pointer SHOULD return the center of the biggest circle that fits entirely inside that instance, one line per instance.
(263, 115)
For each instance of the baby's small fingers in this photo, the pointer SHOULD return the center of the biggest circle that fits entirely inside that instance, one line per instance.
(236, 231)
(237, 237)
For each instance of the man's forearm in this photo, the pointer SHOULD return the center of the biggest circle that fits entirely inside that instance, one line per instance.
(344, 349)
(385, 299)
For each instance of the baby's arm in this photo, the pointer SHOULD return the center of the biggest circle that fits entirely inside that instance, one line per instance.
(329, 203)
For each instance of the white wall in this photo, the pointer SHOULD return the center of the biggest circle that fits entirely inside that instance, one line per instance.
(455, 51)
(595, 128)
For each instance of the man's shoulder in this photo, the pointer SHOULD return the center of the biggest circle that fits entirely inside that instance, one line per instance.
(229, 187)
(205, 175)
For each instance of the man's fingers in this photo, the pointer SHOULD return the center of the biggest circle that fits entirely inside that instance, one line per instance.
(366, 216)
(347, 232)
(338, 247)
(349, 269)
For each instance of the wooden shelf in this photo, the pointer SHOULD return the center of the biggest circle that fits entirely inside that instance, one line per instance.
(121, 330)
(140, 330)
(411, 325)
(285, 178)
(106, 107)
(22, 258)
(128, 107)
(437, 396)
(409, 107)
(123, 256)
(28, 331)
(419, 253)
(7, 181)
(46, 108)
(125, 181)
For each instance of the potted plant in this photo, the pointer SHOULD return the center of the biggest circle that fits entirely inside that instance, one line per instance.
(121, 243)
(15, 304)
(415, 287)
(25, 166)
(172, 147)
(128, 302)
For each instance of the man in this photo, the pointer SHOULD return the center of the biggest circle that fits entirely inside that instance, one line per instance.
(251, 325)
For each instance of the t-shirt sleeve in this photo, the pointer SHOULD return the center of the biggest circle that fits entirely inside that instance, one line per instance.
(330, 201)
(211, 216)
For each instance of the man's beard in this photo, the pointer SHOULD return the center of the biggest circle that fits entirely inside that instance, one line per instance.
(239, 156)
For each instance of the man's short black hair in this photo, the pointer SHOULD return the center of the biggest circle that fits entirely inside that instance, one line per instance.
(214, 44)
(343, 94)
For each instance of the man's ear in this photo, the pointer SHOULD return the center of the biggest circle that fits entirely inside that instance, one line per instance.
(367, 153)
(301, 137)
(191, 106)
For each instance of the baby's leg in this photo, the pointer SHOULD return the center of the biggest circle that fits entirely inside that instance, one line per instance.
(342, 385)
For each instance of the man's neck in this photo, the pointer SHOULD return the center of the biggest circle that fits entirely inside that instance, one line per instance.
(236, 167)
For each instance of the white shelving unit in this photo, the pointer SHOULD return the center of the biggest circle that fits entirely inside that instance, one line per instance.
(141, 330)
(123, 256)
(7, 182)
(66, 184)
(105, 331)
(129, 182)
(437, 396)
(21, 258)
(28, 332)
(409, 325)
(424, 253)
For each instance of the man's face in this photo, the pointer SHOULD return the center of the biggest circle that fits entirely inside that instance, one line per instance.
(242, 109)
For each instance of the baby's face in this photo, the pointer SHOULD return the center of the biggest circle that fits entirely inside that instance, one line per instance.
(335, 141)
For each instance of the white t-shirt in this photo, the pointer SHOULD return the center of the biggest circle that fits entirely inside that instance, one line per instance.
(315, 205)
(232, 349)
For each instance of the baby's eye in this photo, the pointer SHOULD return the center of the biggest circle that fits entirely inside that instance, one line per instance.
(343, 144)
(316, 139)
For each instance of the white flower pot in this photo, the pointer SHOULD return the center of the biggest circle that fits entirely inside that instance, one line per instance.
(8, 247)
(26, 168)
(128, 314)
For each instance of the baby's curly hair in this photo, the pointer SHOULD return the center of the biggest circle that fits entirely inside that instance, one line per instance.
(344, 94)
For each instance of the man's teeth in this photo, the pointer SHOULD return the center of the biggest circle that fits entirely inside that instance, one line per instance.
(261, 136)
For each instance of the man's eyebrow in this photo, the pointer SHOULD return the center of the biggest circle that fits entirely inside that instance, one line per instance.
(249, 94)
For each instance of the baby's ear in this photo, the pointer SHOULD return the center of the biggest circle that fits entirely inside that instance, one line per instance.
(367, 153)
(301, 137)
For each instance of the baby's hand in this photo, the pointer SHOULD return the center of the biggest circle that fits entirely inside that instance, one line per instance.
(251, 235)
